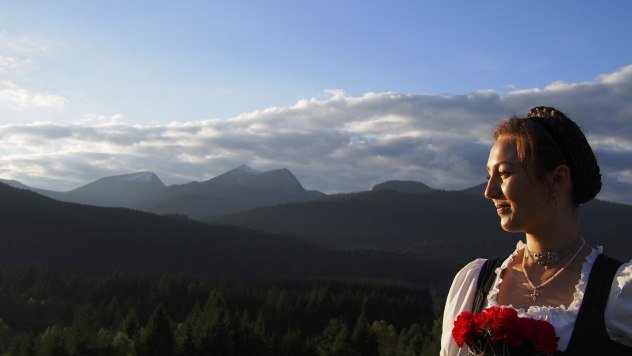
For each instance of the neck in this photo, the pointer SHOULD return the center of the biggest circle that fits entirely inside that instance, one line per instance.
(557, 235)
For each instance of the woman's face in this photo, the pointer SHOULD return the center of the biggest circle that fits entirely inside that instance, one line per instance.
(520, 198)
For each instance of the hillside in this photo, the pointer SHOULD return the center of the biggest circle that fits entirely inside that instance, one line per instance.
(41, 231)
(403, 186)
(446, 225)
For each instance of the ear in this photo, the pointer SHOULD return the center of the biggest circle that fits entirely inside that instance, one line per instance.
(560, 179)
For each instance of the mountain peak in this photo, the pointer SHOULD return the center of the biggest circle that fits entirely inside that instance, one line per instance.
(138, 177)
(122, 190)
(245, 170)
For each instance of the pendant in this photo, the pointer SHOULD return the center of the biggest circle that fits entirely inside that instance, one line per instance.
(534, 295)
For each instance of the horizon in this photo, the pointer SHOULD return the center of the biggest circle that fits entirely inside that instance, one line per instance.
(345, 95)
(7, 181)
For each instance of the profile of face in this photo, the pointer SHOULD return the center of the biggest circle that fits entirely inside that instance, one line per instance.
(520, 199)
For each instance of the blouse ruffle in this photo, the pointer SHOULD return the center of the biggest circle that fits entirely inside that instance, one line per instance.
(561, 317)
(617, 316)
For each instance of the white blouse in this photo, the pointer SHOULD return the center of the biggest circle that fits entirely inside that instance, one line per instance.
(617, 316)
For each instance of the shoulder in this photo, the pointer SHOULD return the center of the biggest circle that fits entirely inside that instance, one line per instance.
(463, 287)
(460, 298)
(618, 313)
(469, 272)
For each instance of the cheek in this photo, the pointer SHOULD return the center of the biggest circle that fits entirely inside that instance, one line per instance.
(510, 192)
(517, 194)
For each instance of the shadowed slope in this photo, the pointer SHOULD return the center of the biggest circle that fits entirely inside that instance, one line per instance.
(447, 225)
(42, 231)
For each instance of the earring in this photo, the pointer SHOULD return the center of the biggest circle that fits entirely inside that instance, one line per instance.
(554, 198)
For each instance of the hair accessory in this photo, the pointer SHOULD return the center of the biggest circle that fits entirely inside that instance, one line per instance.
(534, 294)
(566, 152)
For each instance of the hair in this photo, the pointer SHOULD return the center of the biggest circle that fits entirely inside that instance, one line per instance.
(547, 138)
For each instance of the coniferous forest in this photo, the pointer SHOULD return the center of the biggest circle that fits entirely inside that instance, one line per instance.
(54, 312)
(83, 280)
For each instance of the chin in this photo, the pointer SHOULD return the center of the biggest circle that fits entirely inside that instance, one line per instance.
(510, 226)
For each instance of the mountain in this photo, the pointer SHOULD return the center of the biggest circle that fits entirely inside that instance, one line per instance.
(45, 192)
(237, 190)
(15, 184)
(40, 231)
(476, 190)
(446, 225)
(403, 186)
(240, 189)
(128, 190)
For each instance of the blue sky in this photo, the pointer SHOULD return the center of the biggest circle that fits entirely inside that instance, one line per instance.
(84, 65)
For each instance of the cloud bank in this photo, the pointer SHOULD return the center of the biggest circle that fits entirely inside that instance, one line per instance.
(337, 143)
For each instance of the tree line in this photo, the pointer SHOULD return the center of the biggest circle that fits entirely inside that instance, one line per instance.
(53, 312)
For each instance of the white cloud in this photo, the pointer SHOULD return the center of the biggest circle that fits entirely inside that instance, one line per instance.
(16, 98)
(334, 143)
(96, 120)
(8, 63)
(624, 176)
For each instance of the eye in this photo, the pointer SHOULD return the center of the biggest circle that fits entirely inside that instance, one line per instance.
(504, 174)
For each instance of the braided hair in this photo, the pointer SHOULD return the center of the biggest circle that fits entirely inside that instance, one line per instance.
(547, 138)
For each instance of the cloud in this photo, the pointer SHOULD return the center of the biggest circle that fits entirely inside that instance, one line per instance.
(16, 98)
(8, 63)
(334, 143)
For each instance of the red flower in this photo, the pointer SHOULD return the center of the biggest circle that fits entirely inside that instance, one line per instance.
(544, 336)
(482, 322)
(463, 331)
(502, 326)
(522, 330)
(498, 326)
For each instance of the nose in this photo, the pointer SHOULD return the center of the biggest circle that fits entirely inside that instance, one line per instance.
(492, 190)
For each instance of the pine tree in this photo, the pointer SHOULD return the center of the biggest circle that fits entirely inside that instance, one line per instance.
(130, 325)
(5, 335)
(157, 337)
(386, 337)
(364, 342)
(122, 345)
(335, 340)
(52, 342)
(292, 343)
(83, 332)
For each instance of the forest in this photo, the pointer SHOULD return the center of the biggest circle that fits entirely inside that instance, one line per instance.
(47, 311)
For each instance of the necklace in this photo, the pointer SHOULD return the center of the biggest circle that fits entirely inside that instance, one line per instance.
(534, 295)
(551, 258)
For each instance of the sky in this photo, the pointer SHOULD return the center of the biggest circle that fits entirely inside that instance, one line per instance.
(345, 94)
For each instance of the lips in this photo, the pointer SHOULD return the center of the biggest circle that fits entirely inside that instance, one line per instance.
(502, 208)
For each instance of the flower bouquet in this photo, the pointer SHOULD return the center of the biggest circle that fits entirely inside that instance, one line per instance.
(499, 331)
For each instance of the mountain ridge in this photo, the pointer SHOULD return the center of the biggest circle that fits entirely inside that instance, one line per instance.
(239, 189)
(41, 231)
(403, 186)
(450, 225)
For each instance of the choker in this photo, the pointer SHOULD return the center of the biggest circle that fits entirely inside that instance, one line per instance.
(534, 294)
(551, 258)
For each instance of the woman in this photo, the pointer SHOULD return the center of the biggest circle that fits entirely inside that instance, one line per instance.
(540, 169)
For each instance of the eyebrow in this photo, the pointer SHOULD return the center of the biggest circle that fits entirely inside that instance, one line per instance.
(502, 162)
